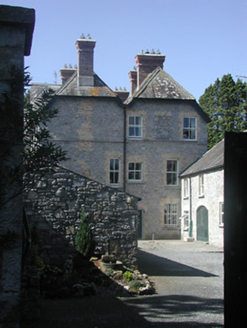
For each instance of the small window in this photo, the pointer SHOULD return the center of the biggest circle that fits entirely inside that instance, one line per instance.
(201, 185)
(186, 188)
(171, 214)
(114, 171)
(135, 126)
(189, 128)
(221, 214)
(185, 218)
(172, 172)
(135, 172)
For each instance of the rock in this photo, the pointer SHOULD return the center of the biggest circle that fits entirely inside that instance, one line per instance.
(108, 258)
(118, 275)
(147, 290)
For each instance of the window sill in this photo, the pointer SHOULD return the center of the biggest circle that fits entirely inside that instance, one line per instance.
(134, 181)
(221, 225)
(189, 140)
(134, 138)
(186, 198)
(201, 196)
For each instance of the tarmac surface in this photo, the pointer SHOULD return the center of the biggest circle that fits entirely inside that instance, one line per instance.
(189, 282)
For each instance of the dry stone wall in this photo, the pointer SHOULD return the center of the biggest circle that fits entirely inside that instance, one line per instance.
(53, 204)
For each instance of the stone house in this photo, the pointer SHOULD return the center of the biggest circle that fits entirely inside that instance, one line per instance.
(137, 143)
(202, 198)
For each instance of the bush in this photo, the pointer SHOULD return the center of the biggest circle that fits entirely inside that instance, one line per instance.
(83, 239)
(135, 284)
(127, 276)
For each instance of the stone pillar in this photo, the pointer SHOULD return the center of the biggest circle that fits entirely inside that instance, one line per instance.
(16, 29)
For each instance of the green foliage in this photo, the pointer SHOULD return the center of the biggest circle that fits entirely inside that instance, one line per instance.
(38, 153)
(110, 272)
(127, 276)
(83, 239)
(48, 270)
(135, 284)
(225, 104)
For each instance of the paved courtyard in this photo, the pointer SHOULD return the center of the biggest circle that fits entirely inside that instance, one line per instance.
(189, 284)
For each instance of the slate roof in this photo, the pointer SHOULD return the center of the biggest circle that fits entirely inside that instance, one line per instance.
(100, 89)
(160, 85)
(212, 160)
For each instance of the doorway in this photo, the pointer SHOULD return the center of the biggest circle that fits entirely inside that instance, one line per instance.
(202, 224)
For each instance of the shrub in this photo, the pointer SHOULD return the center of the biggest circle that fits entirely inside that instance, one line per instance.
(135, 284)
(83, 239)
(127, 276)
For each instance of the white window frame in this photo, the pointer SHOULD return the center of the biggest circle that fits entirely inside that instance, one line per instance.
(171, 215)
(221, 214)
(186, 188)
(136, 170)
(201, 187)
(172, 173)
(135, 126)
(190, 130)
(115, 171)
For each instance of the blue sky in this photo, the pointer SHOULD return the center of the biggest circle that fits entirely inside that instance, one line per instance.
(201, 39)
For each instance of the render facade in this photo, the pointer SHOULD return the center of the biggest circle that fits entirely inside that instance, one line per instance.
(137, 142)
(202, 198)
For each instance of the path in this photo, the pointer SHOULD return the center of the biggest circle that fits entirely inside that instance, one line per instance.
(189, 282)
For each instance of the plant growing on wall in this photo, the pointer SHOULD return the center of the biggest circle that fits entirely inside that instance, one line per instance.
(83, 241)
(38, 152)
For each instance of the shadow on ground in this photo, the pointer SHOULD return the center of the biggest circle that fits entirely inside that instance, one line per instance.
(179, 310)
(154, 265)
(173, 311)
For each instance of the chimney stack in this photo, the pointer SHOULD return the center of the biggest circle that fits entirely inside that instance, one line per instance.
(66, 73)
(85, 71)
(133, 80)
(146, 63)
(123, 94)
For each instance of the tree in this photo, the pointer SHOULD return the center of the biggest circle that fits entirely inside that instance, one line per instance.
(225, 104)
(38, 153)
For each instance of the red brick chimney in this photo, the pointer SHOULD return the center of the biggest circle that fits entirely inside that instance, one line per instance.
(85, 71)
(146, 63)
(133, 80)
(66, 73)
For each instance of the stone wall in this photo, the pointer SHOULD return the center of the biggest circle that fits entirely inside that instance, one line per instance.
(53, 204)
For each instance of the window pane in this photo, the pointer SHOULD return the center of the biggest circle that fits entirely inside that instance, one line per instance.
(117, 164)
(192, 122)
(131, 166)
(131, 120)
(138, 120)
(131, 175)
(131, 131)
(186, 122)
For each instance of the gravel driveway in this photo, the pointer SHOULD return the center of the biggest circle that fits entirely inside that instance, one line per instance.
(189, 284)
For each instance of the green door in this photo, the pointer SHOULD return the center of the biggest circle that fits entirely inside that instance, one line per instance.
(202, 224)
